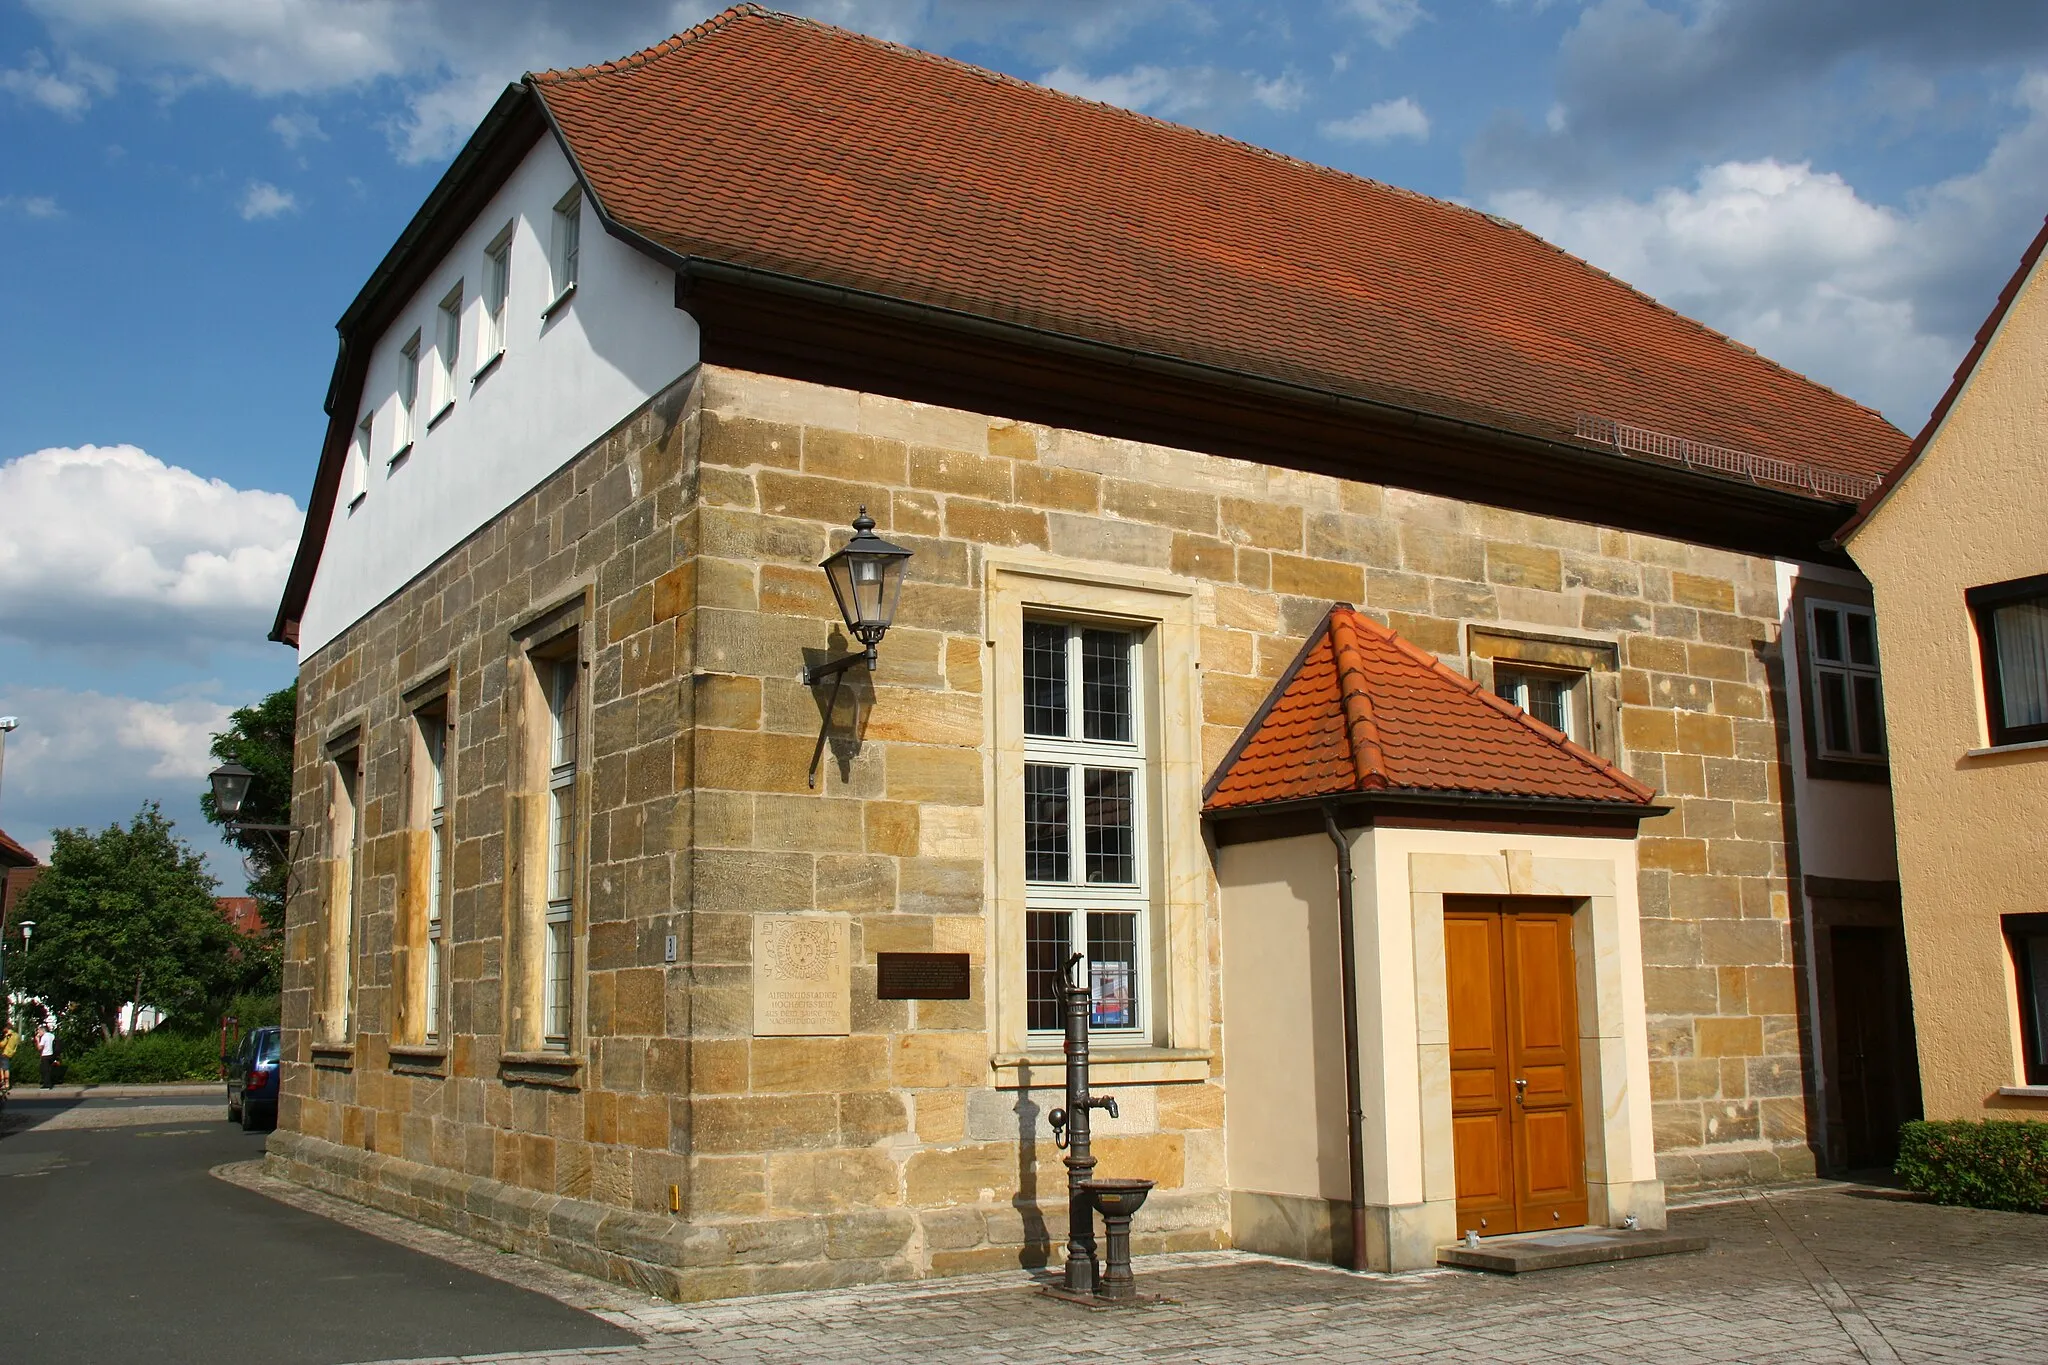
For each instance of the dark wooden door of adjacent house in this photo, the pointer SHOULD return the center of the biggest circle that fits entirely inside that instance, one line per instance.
(1877, 1066)
(1517, 1129)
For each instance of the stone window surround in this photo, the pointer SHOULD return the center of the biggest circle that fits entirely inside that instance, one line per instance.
(1597, 659)
(333, 1042)
(1613, 1031)
(527, 1059)
(410, 1047)
(1178, 1020)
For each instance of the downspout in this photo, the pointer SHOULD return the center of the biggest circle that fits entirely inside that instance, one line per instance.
(1347, 954)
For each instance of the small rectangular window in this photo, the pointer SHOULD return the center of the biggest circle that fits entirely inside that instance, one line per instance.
(408, 394)
(1844, 691)
(433, 795)
(344, 842)
(565, 245)
(1555, 697)
(2012, 641)
(2027, 938)
(359, 461)
(497, 287)
(447, 350)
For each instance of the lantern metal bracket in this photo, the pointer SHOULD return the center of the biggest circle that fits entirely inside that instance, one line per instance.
(817, 673)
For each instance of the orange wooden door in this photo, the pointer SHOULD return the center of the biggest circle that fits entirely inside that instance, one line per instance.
(1515, 1113)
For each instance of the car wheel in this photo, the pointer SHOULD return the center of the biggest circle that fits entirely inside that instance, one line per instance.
(234, 1112)
(249, 1123)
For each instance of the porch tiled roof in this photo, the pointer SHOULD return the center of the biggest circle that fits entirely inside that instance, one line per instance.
(782, 144)
(13, 854)
(1363, 710)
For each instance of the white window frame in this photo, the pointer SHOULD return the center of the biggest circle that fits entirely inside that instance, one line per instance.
(447, 352)
(359, 460)
(408, 396)
(496, 291)
(1576, 711)
(565, 248)
(1076, 897)
(561, 687)
(1817, 668)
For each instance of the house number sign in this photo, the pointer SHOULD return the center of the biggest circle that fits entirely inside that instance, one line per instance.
(921, 976)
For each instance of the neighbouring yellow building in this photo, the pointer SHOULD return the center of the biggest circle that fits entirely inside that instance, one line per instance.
(1955, 546)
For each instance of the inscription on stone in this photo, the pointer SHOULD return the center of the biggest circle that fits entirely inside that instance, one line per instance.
(801, 975)
(921, 976)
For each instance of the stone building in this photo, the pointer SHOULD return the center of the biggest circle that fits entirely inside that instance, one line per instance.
(599, 894)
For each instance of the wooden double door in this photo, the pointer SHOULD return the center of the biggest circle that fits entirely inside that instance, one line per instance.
(1514, 1034)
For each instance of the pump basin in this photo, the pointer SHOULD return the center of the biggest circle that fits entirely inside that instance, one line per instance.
(1118, 1197)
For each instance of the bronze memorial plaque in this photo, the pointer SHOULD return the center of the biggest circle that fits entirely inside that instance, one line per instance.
(921, 976)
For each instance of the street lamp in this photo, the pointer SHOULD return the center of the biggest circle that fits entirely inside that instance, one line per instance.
(866, 577)
(230, 789)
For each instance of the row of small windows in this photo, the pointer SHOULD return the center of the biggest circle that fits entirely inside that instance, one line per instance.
(441, 361)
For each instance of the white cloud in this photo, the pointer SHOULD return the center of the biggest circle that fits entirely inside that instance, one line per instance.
(69, 93)
(1384, 122)
(438, 121)
(1783, 257)
(265, 200)
(292, 129)
(1179, 91)
(30, 205)
(1387, 21)
(107, 546)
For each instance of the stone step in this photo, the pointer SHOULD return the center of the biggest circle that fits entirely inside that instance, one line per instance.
(1519, 1253)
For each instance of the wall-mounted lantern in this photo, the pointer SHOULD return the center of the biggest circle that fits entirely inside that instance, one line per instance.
(230, 790)
(866, 577)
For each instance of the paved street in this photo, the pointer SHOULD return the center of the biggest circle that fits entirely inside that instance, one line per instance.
(116, 1244)
(135, 1250)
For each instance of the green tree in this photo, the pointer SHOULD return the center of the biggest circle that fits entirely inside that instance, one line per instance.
(126, 914)
(259, 738)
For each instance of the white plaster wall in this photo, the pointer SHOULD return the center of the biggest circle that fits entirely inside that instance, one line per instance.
(1845, 828)
(1283, 1018)
(562, 384)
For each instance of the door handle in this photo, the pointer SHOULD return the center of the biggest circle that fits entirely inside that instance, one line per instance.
(1521, 1090)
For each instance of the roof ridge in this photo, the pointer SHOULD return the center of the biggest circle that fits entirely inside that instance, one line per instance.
(751, 10)
(746, 10)
(1361, 729)
(1507, 708)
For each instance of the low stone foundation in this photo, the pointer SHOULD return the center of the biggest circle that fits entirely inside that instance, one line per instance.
(1685, 1172)
(674, 1258)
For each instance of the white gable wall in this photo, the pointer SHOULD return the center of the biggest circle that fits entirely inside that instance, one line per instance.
(562, 384)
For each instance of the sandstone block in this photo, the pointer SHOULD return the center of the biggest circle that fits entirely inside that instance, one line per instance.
(962, 1175)
(831, 1182)
(995, 524)
(938, 1060)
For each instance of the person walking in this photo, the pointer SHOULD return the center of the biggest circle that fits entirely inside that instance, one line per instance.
(46, 1045)
(9, 1042)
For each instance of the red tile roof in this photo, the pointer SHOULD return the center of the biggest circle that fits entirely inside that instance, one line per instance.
(787, 145)
(1363, 710)
(13, 854)
(243, 913)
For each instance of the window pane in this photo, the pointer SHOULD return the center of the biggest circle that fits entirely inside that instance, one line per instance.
(1045, 823)
(1046, 936)
(1827, 634)
(557, 1003)
(1869, 716)
(2020, 636)
(1862, 638)
(1045, 679)
(433, 987)
(1834, 711)
(2034, 1008)
(1545, 696)
(561, 843)
(562, 710)
(1106, 685)
(1113, 968)
(437, 839)
(1108, 825)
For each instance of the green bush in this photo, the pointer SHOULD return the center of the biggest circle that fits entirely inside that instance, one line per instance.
(146, 1058)
(1984, 1164)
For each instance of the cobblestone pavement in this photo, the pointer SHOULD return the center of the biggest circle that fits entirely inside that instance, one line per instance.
(1818, 1274)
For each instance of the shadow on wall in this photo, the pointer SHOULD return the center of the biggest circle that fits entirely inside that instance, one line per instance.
(1036, 1252)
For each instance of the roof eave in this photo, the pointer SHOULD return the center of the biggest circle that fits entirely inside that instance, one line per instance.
(1399, 798)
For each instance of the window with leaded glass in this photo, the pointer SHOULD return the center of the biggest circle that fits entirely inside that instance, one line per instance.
(1085, 768)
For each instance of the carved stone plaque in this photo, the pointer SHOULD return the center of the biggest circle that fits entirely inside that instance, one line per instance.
(801, 975)
(921, 976)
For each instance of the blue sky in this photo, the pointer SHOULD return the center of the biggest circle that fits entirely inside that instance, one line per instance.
(194, 189)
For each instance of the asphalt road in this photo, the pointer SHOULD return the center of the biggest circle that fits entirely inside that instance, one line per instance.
(117, 1245)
